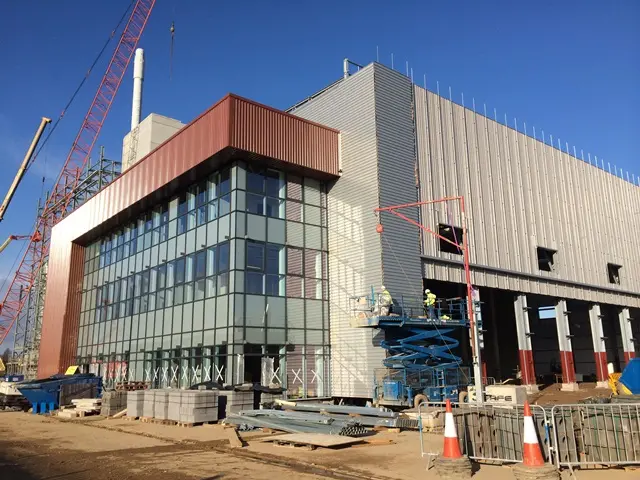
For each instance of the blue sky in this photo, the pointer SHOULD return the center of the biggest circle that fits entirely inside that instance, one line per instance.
(571, 67)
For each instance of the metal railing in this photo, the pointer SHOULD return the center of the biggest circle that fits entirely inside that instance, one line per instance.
(596, 434)
(574, 436)
(451, 310)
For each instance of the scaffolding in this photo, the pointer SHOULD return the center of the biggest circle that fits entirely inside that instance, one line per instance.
(26, 340)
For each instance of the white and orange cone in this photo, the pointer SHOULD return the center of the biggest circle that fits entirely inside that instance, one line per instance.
(531, 453)
(532, 460)
(451, 444)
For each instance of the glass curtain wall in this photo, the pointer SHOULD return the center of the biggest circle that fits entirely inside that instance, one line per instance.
(227, 282)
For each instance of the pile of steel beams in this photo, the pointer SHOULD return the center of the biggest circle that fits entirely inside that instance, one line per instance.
(316, 418)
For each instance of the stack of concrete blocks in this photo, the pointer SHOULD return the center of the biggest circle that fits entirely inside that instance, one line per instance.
(161, 408)
(135, 403)
(193, 406)
(113, 402)
(238, 401)
(149, 404)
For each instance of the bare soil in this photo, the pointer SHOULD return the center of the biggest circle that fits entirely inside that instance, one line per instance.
(34, 447)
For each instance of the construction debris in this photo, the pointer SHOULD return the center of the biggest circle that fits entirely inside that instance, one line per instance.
(313, 440)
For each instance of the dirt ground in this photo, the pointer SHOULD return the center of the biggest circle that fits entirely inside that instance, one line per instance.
(553, 395)
(34, 447)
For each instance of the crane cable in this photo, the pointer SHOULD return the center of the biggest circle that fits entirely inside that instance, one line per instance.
(62, 114)
(83, 81)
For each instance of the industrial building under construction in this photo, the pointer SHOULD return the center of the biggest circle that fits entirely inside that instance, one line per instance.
(239, 247)
(230, 248)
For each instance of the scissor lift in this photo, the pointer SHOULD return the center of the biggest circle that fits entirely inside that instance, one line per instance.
(421, 363)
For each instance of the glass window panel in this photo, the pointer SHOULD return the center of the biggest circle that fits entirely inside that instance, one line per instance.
(312, 263)
(188, 292)
(189, 268)
(145, 282)
(275, 184)
(211, 287)
(223, 257)
(224, 185)
(200, 289)
(255, 182)
(168, 300)
(275, 285)
(254, 282)
(171, 273)
(275, 259)
(213, 210)
(224, 205)
(294, 287)
(178, 295)
(182, 204)
(294, 261)
(202, 215)
(179, 270)
(160, 299)
(153, 279)
(223, 283)
(255, 203)
(191, 220)
(274, 207)
(255, 255)
(212, 186)
(294, 187)
(138, 284)
(211, 261)
(182, 224)
(161, 276)
(201, 264)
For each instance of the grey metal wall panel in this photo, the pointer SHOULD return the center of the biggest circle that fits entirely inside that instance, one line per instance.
(354, 246)
(522, 193)
(400, 242)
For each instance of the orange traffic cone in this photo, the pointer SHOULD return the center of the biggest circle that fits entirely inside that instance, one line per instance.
(533, 465)
(451, 464)
(451, 444)
(531, 453)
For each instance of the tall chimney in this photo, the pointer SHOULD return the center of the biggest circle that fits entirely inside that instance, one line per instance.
(138, 77)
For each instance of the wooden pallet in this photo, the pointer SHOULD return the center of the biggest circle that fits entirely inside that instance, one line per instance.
(160, 421)
(196, 424)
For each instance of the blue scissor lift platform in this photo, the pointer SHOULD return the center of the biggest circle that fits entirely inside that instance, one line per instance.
(422, 363)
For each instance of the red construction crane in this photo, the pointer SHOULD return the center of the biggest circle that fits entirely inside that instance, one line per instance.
(58, 202)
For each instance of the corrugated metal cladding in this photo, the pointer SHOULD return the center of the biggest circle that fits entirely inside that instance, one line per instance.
(232, 123)
(401, 273)
(281, 136)
(354, 246)
(522, 194)
(373, 111)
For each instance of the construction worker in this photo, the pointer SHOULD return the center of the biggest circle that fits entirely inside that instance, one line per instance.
(429, 303)
(385, 301)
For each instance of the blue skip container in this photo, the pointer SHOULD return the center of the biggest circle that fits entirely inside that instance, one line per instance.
(46, 395)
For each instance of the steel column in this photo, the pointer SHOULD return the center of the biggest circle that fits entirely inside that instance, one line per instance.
(564, 344)
(627, 334)
(527, 367)
(599, 346)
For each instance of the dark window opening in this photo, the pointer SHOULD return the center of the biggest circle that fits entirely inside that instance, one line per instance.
(546, 259)
(453, 234)
(613, 271)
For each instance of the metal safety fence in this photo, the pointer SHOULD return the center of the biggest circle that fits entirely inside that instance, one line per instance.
(596, 434)
(490, 433)
(580, 435)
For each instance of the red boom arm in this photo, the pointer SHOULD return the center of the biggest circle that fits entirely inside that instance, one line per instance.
(58, 202)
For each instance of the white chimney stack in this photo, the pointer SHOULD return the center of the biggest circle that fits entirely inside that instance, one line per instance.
(138, 77)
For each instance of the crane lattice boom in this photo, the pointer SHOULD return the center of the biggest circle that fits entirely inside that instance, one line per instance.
(57, 203)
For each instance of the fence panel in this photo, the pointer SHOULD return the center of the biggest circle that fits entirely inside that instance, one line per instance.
(493, 433)
(596, 434)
